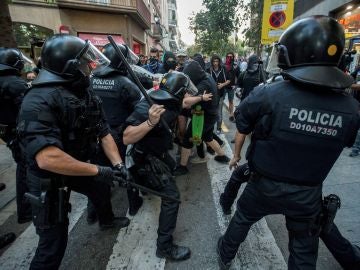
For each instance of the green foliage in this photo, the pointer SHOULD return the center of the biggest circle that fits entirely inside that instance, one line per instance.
(25, 32)
(213, 26)
(252, 12)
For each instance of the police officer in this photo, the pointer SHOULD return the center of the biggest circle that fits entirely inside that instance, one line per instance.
(59, 123)
(119, 96)
(347, 254)
(153, 166)
(12, 89)
(300, 127)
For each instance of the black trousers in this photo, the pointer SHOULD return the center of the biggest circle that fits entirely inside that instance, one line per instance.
(22, 203)
(347, 254)
(301, 207)
(169, 209)
(52, 234)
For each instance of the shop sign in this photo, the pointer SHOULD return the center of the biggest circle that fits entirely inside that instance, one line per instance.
(100, 40)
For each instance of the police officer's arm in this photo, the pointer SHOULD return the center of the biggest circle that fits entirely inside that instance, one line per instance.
(133, 134)
(239, 142)
(247, 114)
(110, 148)
(53, 159)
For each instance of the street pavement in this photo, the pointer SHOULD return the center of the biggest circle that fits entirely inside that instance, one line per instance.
(199, 225)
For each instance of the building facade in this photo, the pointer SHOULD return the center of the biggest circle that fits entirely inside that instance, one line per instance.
(346, 12)
(126, 20)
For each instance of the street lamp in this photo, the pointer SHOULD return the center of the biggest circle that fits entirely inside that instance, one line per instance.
(157, 21)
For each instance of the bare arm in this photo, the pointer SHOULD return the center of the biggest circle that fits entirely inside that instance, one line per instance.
(55, 160)
(239, 142)
(188, 100)
(133, 134)
(222, 85)
(110, 148)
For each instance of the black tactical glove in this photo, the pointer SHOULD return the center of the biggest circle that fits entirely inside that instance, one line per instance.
(123, 173)
(107, 175)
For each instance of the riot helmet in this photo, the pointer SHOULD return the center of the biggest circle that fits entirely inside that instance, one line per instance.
(173, 87)
(115, 60)
(12, 59)
(67, 58)
(310, 50)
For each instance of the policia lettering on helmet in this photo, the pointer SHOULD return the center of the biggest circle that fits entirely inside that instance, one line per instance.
(12, 89)
(119, 96)
(60, 122)
(153, 166)
(290, 164)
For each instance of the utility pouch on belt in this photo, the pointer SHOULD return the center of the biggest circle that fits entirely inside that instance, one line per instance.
(153, 170)
(331, 204)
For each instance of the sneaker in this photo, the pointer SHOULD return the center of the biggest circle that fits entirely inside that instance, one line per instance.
(198, 160)
(181, 170)
(226, 210)
(117, 222)
(354, 154)
(222, 159)
(232, 119)
(134, 207)
(174, 253)
(222, 264)
(210, 150)
(6, 239)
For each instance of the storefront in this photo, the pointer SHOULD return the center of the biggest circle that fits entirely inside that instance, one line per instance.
(349, 16)
(100, 40)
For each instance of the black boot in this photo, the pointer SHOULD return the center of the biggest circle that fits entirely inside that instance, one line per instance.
(174, 253)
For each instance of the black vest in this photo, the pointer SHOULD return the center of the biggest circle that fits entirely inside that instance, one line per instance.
(302, 132)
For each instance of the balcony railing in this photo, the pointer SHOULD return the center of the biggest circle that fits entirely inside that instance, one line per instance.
(134, 8)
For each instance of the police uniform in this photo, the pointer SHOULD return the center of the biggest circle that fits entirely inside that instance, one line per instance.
(59, 111)
(119, 96)
(12, 89)
(299, 128)
(153, 166)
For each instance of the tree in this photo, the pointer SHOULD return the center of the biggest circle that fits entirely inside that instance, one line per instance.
(213, 26)
(252, 11)
(7, 38)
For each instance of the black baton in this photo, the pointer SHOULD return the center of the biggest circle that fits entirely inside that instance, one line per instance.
(136, 79)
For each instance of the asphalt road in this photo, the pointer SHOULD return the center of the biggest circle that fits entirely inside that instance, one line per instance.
(200, 223)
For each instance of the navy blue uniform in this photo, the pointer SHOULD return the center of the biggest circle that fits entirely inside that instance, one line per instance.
(297, 135)
(55, 116)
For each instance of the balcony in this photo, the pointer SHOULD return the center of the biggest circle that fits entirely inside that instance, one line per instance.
(156, 31)
(134, 8)
(172, 22)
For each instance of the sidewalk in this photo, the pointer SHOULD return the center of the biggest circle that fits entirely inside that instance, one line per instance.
(7, 175)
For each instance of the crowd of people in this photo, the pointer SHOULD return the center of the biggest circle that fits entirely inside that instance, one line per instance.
(85, 121)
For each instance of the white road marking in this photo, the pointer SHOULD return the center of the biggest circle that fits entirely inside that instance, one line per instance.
(135, 246)
(259, 250)
(19, 255)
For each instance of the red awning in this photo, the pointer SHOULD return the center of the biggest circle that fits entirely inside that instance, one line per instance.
(100, 39)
